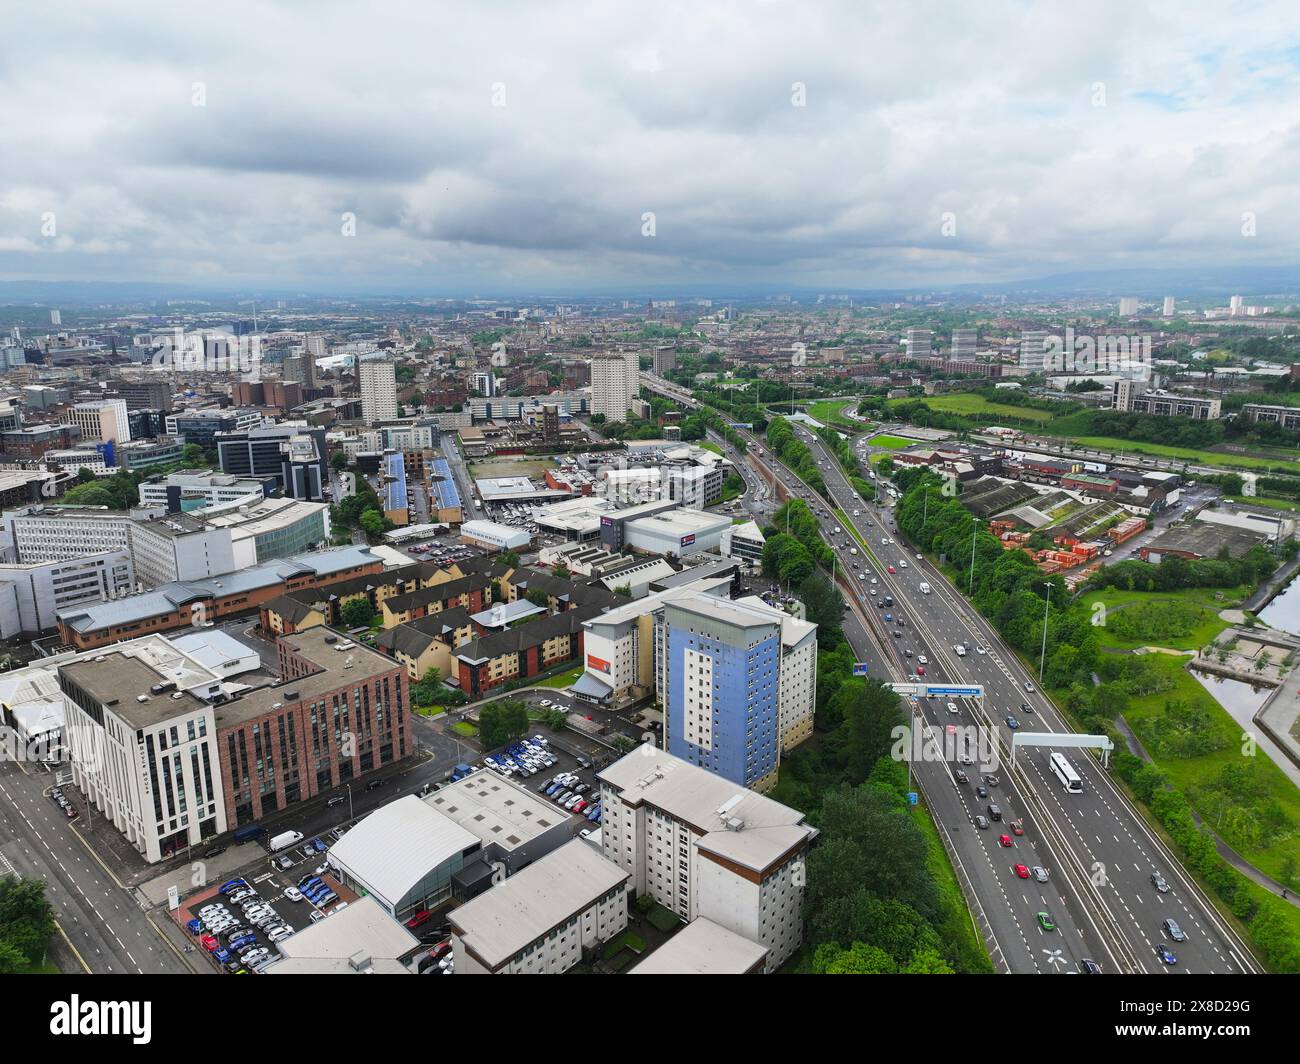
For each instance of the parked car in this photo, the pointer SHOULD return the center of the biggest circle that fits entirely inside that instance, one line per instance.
(293, 893)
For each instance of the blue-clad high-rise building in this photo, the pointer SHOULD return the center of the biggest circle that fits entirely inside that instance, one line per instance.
(720, 675)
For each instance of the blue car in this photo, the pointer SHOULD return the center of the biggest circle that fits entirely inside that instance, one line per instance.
(231, 885)
(242, 941)
(326, 898)
(319, 846)
(1166, 957)
(194, 927)
(554, 789)
(221, 954)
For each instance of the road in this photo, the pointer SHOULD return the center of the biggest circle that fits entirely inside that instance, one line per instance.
(1102, 852)
(1097, 850)
(105, 924)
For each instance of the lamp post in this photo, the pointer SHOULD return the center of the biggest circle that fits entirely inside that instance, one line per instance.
(1042, 659)
(971, 589)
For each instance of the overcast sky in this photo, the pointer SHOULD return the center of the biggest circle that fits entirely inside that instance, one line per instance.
(504, 145)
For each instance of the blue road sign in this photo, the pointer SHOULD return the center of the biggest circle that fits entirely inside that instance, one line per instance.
(911, 797)
(955, 692)
(859, 668)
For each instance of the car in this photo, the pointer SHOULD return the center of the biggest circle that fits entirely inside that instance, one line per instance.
(961, 776)
(239, 941)
(981, 822)
(1171, 928)
(1045, 920)
(1004, 841)
(293, 893)
(255, 955)
(581, 807)
(922, 659)
(373, 784)
(194, 926)
(1012, 723)
(1158, 881)
(318, 846)
(920, 670)
(240, 896)
(280, 933)
(1039, 873)
(215, 851)
(1017, 828)
(981, 792)
(209, 943)
(918, 557)
(421, 917)
(979, 649)
(1025, 707)
(1087, 966)
(572, 801)
(321, 869)
(1029, 687)
(889, 569)
(231, 885)
(1165, 954)
(308, 881)
(212, 910)
(952, 707)
(1021, 871)
(334, 800)
(903, 564)
(992, 780)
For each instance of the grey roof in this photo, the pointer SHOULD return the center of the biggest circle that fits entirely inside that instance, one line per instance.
(703, 948)
(397, 845)
(502, 921)
(360, 938)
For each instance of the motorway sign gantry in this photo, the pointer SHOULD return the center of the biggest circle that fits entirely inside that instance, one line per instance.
(939, 690)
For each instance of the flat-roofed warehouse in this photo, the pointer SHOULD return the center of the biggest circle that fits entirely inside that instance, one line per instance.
(403, 855)
(516, 826)
(1198, 539)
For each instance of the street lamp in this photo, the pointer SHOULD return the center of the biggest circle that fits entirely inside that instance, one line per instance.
(971, 590)
(1042, 659)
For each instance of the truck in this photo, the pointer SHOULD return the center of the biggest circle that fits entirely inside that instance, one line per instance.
(462, 770)
(925, 588)
(249, 831)
(285, 839)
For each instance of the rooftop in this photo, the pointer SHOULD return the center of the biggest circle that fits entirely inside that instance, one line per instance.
(397, 845)
(496, 810)
(361, 938)
(703, 948)
(502, 921)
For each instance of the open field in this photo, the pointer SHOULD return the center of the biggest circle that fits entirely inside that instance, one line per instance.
(894, 443)
(1270, 504)
(970, 403)
(828, 412)
(564, 679)
(1188, 454)
(1203, 631)
(709, 445)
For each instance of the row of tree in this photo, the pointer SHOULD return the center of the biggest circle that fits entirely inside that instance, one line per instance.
(794, 453)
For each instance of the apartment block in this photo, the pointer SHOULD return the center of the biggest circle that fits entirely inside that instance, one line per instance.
(705, 848)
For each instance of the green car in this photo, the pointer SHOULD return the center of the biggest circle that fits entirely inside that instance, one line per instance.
(1045, 921)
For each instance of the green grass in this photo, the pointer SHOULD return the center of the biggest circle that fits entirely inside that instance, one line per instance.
(1191, 774)
(430, 711)
(1187, 454)
(1203, 598)
(465, 728)
(627, 940)
(957, 926)
(709, 445)
(662, 918)
(828, 412)
(564, 679)
(894, 443)
(970, 403)
(1270, 504)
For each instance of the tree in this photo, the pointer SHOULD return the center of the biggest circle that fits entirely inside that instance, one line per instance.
(357, 613)
(373, 523)
(509, 558)
(340, 462)
(26, 920)
(501, 722)
(538, 597)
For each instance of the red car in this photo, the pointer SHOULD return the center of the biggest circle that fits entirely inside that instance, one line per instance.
(209, 943)
(419, 918)
(891, 569)
(440, 949)
(1017, 828)
(1022, 871)
(920, 670)
(1004, 840)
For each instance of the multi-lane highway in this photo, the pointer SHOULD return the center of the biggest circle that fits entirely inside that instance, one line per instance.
(1096, 854)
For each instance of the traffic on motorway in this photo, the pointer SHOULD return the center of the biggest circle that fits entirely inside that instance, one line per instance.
(1067, 876)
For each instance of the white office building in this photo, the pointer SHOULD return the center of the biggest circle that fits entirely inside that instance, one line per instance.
(615, 382)
(102, 419)
(193, 489)
(31, 595)
(704, 847)
(59, 533)
(142, 738)
(377, 379)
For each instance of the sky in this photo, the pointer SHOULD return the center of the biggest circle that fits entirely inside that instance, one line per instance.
(435, 147)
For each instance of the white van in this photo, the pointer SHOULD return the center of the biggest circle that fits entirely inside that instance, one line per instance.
(961, 650)
(925, 589)
(853, 551)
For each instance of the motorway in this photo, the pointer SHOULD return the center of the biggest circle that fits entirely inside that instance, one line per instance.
(1097, 851)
